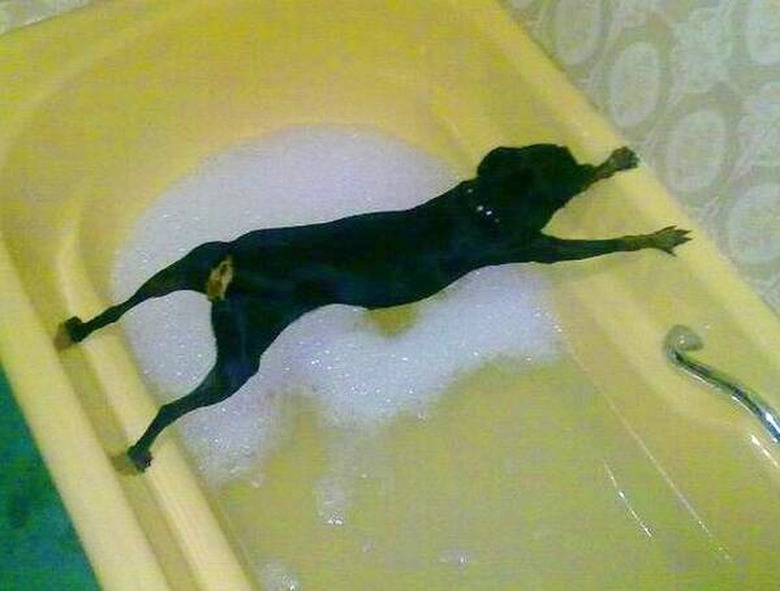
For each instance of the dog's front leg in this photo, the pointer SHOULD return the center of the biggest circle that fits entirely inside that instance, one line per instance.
(621, 159)
(549, 249)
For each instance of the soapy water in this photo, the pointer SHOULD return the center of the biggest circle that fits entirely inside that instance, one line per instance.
(278, 577)
(360, 377)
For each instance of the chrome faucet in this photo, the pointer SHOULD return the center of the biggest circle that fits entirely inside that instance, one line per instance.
(680, 340)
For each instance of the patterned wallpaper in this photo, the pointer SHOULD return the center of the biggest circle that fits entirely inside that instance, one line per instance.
(16, 13)
(693, 85)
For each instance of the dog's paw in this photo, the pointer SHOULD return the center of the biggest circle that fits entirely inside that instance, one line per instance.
(68, 333)
(624, 158)
(667, 239)
(141, 458)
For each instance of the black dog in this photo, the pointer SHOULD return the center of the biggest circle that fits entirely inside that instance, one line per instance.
(262, 281)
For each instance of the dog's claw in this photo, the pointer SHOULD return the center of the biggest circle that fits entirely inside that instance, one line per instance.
(667, 239)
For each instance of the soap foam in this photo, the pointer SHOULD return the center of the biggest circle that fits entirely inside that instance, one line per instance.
(278, 577)
(360, 377)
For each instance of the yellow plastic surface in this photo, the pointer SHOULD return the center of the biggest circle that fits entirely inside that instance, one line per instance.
(103, 108)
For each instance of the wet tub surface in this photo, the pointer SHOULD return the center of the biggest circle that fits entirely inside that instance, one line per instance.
(105, 121)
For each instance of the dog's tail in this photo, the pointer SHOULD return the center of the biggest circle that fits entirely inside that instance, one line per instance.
(191, 272)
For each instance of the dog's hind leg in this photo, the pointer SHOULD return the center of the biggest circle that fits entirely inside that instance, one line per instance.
(191, 272)
(74, 330)
(222, 381)
(237, 359)
(244, 327)
(548, 249)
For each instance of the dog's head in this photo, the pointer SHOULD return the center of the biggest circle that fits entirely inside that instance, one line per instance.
(528, 185)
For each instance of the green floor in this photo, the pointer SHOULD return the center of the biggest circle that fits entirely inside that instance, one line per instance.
(38, 548)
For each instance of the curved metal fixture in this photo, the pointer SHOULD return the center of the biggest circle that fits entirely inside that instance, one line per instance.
(681, 339)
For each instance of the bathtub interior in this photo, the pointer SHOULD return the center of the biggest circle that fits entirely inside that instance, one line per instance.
(95, 138)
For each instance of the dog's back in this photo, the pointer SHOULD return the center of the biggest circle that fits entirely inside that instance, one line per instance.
(370, 260)
(394, 257)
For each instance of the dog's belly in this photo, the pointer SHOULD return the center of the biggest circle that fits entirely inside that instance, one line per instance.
(391, 283)
(359, 280)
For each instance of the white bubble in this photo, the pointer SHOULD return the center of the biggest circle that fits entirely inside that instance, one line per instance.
(456, 557)
(278, 577)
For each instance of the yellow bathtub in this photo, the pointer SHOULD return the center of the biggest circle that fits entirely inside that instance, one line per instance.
(104, 108)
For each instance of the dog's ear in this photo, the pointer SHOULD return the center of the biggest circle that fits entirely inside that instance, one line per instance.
(499, 160)
(504, 160)
(510, 169)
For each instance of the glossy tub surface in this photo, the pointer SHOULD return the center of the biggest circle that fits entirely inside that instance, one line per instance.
(102, 109)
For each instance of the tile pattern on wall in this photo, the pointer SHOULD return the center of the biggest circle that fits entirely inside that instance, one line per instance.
(694, 86)
(17, 13)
